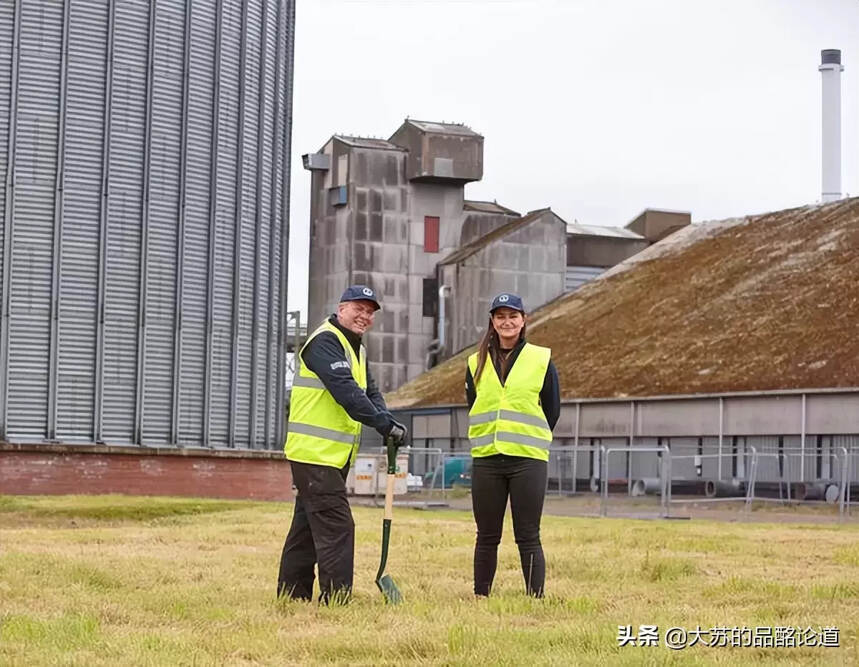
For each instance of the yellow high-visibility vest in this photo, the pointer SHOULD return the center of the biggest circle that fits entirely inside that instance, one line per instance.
(320, 431)
(508, 419)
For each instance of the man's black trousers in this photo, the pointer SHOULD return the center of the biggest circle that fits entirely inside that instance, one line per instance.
(523, 480)
(322, 532)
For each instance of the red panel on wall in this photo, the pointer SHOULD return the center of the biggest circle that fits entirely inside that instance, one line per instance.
(430, 233)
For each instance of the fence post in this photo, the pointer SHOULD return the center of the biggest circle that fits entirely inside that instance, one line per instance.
(603, 455)
(670, 474)
(721, 433)
(802, 443)
(845, 482)
(750, 488)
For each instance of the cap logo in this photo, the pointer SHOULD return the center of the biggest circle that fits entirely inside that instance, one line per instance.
(503, 298)
(367, 291)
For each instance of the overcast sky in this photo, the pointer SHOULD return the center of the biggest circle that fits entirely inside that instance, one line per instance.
(597, 108)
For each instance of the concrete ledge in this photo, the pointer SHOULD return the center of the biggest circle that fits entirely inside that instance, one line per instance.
(35, 469)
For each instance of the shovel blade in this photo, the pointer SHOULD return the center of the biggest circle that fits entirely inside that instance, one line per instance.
(389, 590)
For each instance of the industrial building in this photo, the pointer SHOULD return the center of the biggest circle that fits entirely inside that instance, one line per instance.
(145, 151)
(392, 214)
(732, 343)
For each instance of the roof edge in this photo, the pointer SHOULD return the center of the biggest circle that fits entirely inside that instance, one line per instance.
(655, 398)
(350, 140)
(469, 249)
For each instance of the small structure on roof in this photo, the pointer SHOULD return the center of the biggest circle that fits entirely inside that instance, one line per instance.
(446, 152)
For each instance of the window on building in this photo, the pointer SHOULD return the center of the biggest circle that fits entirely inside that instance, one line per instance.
(430, 233)
(430, 296)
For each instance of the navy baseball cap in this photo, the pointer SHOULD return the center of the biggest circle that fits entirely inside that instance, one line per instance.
(507, 300)
(360, 293)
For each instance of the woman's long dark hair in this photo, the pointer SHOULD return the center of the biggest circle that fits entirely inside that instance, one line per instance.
(491, 344)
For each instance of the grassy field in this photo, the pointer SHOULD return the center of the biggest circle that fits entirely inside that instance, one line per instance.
(128, 580)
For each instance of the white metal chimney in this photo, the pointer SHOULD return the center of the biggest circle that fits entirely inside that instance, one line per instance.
(830, 69)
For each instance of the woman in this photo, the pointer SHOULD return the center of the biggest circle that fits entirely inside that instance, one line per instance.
(512, 390)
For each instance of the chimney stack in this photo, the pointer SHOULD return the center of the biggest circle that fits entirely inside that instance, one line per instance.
(830, 69)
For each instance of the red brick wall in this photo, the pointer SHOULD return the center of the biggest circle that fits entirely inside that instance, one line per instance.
(57, 469)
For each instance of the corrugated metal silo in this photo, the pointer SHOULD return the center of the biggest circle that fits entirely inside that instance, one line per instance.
(144, 146)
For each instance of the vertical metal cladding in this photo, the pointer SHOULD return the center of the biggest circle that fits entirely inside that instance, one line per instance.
(144, 151)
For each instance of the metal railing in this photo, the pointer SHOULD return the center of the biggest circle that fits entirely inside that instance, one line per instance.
(439, 473)
(664, 477)
(786, 467)
(788, 485)
(380, 456)
(847, 491)
(733, 492)
(560, 456)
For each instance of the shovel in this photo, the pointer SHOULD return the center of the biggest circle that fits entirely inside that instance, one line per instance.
(385, 583)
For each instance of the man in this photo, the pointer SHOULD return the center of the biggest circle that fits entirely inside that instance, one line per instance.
(333, 394)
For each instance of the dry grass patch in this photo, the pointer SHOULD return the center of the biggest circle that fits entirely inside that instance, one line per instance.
(114, 580)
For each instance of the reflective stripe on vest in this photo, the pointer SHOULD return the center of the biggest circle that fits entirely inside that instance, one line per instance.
(314, 383)
(508, 419)
(320, 431)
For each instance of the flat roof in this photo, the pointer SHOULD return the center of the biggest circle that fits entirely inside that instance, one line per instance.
(600, 230)
(368, 142)
(442, 128)
(487, 207)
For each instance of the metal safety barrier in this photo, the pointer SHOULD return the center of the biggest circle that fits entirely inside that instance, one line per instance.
(433, 460)
(785, 479)
(665, 475)
(560, 455)
(438, 482)
(722, 491)
(849, 481)
(786, 467)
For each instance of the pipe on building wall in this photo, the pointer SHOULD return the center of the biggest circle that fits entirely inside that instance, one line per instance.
(437, 345)
(441, 318)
